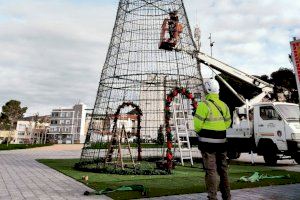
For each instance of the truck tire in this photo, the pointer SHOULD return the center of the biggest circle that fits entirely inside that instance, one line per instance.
(297, 158)
(270, 156)
(270, 159)
(233, 155)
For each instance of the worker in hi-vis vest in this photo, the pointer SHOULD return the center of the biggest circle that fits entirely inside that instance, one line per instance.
(211, 120)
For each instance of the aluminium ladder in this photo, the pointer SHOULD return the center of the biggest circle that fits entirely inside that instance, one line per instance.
(181, 130)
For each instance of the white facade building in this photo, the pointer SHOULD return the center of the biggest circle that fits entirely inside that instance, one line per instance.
(152, 106)
(24, 132)
(68, 125)
(30, 132)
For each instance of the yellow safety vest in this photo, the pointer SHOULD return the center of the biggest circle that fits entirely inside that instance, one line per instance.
(208, 117)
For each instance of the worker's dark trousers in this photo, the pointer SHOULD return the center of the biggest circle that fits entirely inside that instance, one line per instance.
(214, 164)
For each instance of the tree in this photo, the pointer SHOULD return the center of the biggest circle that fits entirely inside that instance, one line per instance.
(241, 87)
(265, 78)
(284, 77)
(4, 123)
(11, 113)
(43, 120)
(34, 132)
(160, 136)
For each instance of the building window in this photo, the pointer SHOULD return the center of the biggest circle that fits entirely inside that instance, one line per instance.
(55, 114)
(62, 114)
(53, 121)
(21, 133)
(67, 114)
(67, 121)
(62, 121)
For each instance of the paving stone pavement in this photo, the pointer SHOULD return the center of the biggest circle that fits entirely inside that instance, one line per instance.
(21, 177)
(284, 192)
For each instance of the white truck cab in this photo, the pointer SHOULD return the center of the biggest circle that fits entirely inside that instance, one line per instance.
(271, 129)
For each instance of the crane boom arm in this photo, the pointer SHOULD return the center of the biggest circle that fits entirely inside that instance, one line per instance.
(227, 69)
(266, 88)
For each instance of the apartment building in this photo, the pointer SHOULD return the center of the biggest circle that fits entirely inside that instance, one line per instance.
(67, 125)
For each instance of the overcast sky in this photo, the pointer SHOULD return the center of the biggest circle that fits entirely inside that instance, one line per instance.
(52, 51)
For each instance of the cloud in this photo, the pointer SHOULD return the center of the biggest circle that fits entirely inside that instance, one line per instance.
(52, 52)
(250, 35)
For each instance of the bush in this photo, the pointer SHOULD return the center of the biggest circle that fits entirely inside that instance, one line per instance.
(143, 169)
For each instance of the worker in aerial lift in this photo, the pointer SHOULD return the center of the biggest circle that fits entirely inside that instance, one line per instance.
(173, 22)
(174, 29)
(211, 120)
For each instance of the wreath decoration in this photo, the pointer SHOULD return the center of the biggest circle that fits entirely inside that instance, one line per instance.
(139, 116)
(170, 97)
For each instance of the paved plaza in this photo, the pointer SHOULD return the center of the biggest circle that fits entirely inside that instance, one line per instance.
(24, 178)
(285, 192)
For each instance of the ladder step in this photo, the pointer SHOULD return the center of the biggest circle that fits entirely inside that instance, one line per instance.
(183, 134)
(186, 150)
(179, 111)
(182, 130)
(177, 104)
(181, 125)
(184, 141)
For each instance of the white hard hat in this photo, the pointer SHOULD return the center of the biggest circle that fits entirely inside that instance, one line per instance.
(212, 86)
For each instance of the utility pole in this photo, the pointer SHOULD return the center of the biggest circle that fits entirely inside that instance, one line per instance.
(197, 36)
(211, 44)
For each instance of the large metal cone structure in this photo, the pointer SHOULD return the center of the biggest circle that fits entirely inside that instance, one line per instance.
(137, 71)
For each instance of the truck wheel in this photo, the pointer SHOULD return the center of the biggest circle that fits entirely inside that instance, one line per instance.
(297, 158)
(270, 159)
(233, 155)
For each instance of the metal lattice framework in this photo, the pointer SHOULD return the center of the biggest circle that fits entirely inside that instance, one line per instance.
(136, 70)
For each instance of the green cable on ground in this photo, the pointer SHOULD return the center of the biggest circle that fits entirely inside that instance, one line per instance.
(257, 177)
(138, 188)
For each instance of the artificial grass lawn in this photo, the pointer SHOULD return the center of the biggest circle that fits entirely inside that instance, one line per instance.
(184, 180)
(21, 146)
